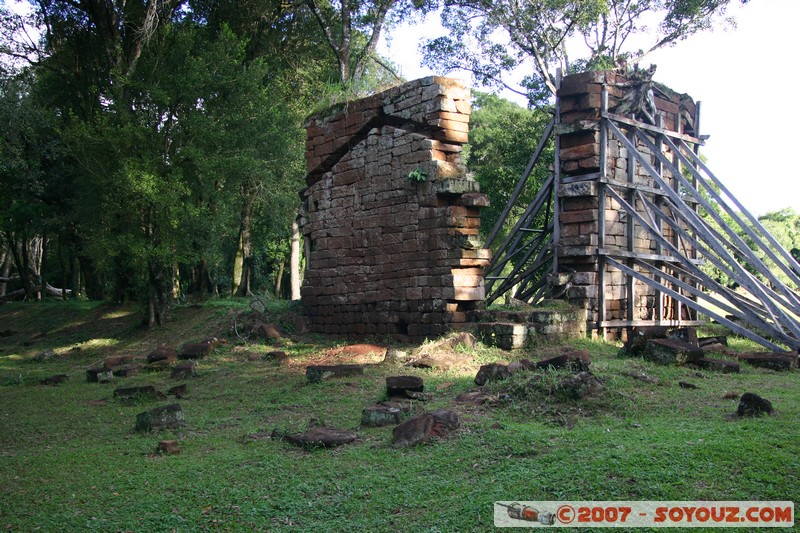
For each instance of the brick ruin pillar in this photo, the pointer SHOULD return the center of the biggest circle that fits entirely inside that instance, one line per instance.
(593, 225)
(390, 216)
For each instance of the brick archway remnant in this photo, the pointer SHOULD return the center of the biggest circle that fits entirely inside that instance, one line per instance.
(390, 216)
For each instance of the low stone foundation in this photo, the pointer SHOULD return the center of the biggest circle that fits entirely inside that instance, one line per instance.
(512, 330)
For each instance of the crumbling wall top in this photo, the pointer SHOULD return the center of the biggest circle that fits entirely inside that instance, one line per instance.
(436, 106)
(579, 95)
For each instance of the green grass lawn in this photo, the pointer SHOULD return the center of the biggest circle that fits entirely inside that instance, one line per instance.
(70, 459)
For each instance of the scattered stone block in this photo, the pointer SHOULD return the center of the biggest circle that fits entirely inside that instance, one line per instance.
(298, 323)
(56, 379)
(447, 344)
(442, 361)
(577, 361)
(403, 404)
(380, 415)
(44, 356)
(637, 341)
(754, 405)
(117, 360)
(179, 391)
(516, 367)
(126, 371)
(710, 341)
(396, 356)
(687, 334)
(578, 386)
(641, 376)
(184, 370)
(162, 353)
(277, 355)
(419, 396)
(671, 352)
(422, 428)
(146, 392)
(687, 385)
(99, 375)
(317, 373)
(198, 350)
(718, 365)
(491, 372)
(634, 346)
(400, 385)
(772, 360)
(319, 437)
(267, 331)
(166, 417)
(168, 447)
(158, 366)
(474, 397)
(717, 348)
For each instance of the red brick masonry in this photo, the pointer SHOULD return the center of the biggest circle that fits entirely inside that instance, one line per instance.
(390, 217)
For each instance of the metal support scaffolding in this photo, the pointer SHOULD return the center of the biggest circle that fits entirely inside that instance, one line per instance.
(667, 188)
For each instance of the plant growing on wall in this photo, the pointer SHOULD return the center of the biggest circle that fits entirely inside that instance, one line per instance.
(417, 175)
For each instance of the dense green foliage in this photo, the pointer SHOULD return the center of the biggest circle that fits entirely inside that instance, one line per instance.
(783, 225)
(152, 150)
(503, 136)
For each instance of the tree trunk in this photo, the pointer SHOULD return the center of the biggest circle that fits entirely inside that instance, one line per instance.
(19, 251)
(159, 294)
(77, 278)
(242, 263)
(62, 260)
(42, 264)
(176, 283)
(125, 280)
(35, 255)
(92, 283)
(25, 273)
(279, 278)
(201, 280)
(5, 270)
(294, 263)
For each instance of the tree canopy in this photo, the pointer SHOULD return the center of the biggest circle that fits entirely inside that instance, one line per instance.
(152, 149)
(490, 38)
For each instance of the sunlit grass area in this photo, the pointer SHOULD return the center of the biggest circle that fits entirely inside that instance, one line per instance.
(71, 460)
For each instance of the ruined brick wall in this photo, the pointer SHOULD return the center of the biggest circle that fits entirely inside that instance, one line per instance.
(390, 217)
(580, 104)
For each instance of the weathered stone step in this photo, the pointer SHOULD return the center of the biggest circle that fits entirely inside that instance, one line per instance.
(148, 392)
(317, 373)
(772, 360)
(400, 385)
(319, 437)
(671, 352)
(169, 416)
(424, 427)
